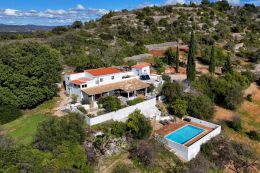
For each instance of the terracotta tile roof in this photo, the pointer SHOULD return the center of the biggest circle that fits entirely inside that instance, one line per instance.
(81, 81)
(126, 85)
(140, 65)
(103, 71)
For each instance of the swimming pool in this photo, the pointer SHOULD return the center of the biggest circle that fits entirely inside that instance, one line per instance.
(184, 134)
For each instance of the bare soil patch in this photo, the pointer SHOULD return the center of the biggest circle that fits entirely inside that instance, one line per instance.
(223, 114)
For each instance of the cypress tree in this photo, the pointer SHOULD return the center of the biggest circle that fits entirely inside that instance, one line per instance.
(227, 68)
(177, 58)
(170, 56)
(212, 61)
(191, 67)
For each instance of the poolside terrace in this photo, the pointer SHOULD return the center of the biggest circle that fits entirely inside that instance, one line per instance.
(169, 128)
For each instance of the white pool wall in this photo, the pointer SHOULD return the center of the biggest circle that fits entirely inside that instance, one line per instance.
(188, 153)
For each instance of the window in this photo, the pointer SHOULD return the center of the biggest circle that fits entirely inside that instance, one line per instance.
(84, 86)
(112, 77)
(78, 86)
(101, 79)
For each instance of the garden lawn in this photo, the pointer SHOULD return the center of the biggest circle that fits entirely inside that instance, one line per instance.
(24, 128)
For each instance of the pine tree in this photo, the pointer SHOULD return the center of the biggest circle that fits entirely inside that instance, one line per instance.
(212, 61)
(227, 68)
(177, 61)
(191, 67)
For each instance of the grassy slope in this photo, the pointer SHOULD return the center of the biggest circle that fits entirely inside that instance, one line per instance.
(249, 113)
(23, 129)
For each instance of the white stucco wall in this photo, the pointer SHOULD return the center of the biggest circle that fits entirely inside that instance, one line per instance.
(141, 71)
(188, 153)
(148, 108)
(99, 80)
(194, 149)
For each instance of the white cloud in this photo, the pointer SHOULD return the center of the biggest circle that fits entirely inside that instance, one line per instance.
(93, 11)
(173, 2)
(80, 7)
(234, 2)
(51, 16)
(10, 12)
(102, 11)
(60, 12)
(146, 4)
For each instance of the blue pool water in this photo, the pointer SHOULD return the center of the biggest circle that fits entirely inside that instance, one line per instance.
(184, 134)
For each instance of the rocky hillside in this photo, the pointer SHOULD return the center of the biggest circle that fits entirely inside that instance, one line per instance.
(108, 40)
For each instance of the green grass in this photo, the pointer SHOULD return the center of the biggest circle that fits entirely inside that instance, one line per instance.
(23, 129)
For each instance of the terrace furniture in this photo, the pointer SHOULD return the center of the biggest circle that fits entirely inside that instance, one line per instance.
(187, 119)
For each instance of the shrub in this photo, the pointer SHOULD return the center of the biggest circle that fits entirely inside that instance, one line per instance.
(171, 91)
(115, 128)
(200, 164)
(9, 113)
(138, 125)
(82, 109)
(151, 88)
(254, 135)
(249, 97)
(166, 78)
(226, 91)
(180, 108)
(59, 30)
(85, 101)
(249, 75)
(200, 106)
(131, 63)
(118, 129)
(236, 77)
(207, 148)
(55, 131)
(235, 123)
(135, 101)
(143, 152)
(179, 167)
(122, 168)
(110, 103)
(234, 97)
(74, 98)
(159, 65)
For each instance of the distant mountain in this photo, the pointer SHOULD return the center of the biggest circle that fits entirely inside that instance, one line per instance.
(23, 28)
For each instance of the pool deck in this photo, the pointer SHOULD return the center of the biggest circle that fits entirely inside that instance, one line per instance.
(167, 129)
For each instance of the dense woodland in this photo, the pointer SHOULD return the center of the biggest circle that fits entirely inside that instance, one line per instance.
(31, 66)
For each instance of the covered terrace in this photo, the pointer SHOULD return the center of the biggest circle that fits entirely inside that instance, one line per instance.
(127, 88)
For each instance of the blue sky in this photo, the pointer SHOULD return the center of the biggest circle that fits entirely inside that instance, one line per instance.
(63, 12)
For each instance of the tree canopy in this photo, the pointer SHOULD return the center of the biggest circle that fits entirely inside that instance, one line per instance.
(28, 73)
(138, 125)
(55, 131)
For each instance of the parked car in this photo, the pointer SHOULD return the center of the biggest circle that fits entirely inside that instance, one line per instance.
(145, 77)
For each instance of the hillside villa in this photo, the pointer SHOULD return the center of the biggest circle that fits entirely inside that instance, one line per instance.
(120, 81)
(184, 138)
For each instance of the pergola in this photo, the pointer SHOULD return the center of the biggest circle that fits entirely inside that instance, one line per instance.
(130, 86)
